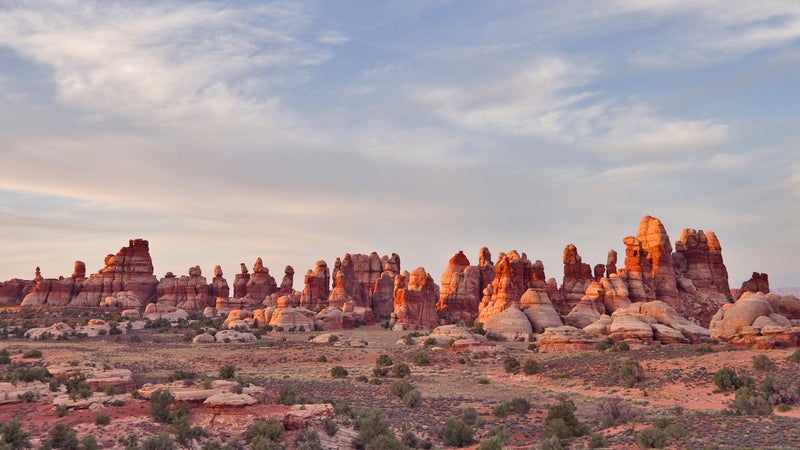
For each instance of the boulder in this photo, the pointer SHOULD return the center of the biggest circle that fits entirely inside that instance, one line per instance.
(752, 321)
(234, 336)
(123, 299)
(58, 329)
(566, 338)
(292, 319)
(329, 319)
(625, 327)
(510, 324)
(540, 312)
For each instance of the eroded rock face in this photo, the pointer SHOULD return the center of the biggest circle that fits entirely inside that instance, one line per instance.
(292, 319)
(752, 321)
(637, 273)
(486, 268)
(219, 286)
(13, 291)
(185, 292)
(566, 338)
(701, 275)
(131, 269)
(317, 287)
(509, 284)
(261, 284)
(460, 291)
(758, 282)
(51, 291)
(383, 293)
(240, 282)
(536, 305)
(415, 298)
(658, 250)
(287, 284)
(577, 277)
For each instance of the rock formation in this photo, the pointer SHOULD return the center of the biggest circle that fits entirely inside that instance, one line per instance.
(577, 277)
(415, 298)
(637, 274)
(261, 284)
(460, 291)
(383, 292)
(240, 282)
(13, 291)
(131, 269)
(658, 250)
(566, 338)
(317, 287)
(187, 292)
(758, 282)
(752, 321)
(287, 284)
(219, 286)
(507, 287)
(536, 305)
(486, 268)
(51, 291)
(611, 263)
(701, 274)
(511, 324)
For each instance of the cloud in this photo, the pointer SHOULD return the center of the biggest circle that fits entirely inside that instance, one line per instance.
(333, 38)
(165, 63)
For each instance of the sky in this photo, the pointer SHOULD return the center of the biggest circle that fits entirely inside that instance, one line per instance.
(298, 131)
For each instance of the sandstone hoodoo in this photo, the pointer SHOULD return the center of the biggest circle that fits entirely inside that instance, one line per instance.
(690, 283)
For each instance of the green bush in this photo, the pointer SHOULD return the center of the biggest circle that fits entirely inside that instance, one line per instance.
(227, 371)
(383, 360)
(483, 380)
(89, 442)
(561, 420)
(614, 411)
(322, 359)
(184, 432)
(362, 379)
(651, 437)
(795, 356)
(628, 370)
(374, 431)
(726, 379)
(5, 358)
(287, 396)
(32, 353)
(27, 396)
(77, 387)
(531, 367)
(331, 427)
(400, 388)
(502, 410)
(456, 433)
(492, 443)
(749, 402)
(412, 399)
(551, 443)
(102, 419)
(401, 370)
(469, 416)
(763, 363)
(160, 403)
(597, 440)
(271, 430)
(420, 359)
(161, 441)
(307, 439)
(511, 365)
(339, 372)
(182, 375)
(62, 436)
(13, 436)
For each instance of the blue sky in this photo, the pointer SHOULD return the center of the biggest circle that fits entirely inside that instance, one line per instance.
(298, 131)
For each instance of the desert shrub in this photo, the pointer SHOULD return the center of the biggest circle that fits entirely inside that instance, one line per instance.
(531, 367)
(61, 436)
(550, 443)
(362, 379)
(795, 357)
(28, 374)
(27, 396)
(182, 375)
(483, 380)
(456, 433)
(12, 435)
(161, 441)
(704, 349)
(374, 431)
(401, 370)
(784, 390)
(160, 403)
(383, 360)
(597, 440)
(661, 433)
(61, 410)
(477, 328)
(430, 342)
(307, 439)
(227, 371)
(726, 379)
(502, 410)
(32, 353)
(604, 345)
(376, 381)
(469, 416)
(339, 372)
(511, 364)
(519, 406)
(762, 362)
(380, 371)
(270, 429)
(412, 399)
(77, 387)
(287, 396)
(749, 402)
(102, 419)
(88, 442)
(182, 428)
(492, 443)
(561, 421)
(322, 359)
(614, 411)
(409, 439)
(628, 370)
(419, 358)
(400, 388)
(331, 427)
(783, 407)
(5, 358)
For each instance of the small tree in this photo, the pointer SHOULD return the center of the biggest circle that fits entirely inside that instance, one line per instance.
(456, 433)
(561, 421)
(271, 429)
(13, 435)
(160, 403)
(227, 371)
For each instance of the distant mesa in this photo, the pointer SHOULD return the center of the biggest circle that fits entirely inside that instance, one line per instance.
(661, 293)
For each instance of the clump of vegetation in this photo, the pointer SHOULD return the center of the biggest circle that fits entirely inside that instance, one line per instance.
(287, 396)
(5, 358)
(515, 406)
(227, 371)
(658, 435)
(383, 360)
(401, 370)
(726, 379)
(77, 387)
(614, 411)
(331, 426)
(374, 431)
(102, 419)
(763, 363)
(400, 388)
(160, 403)
(264, 433)
(561, 422)
(749, 402)
(511, 364)
(419, 358)
(795, 357)
(161, 441)
(32, 353)
(12, 435)
(182, 375)
(456, 433)
(628, 370)
(412, 399)
(704, 349)
(483, 380)
(531, 367)
(339, 372)
(307, 439)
